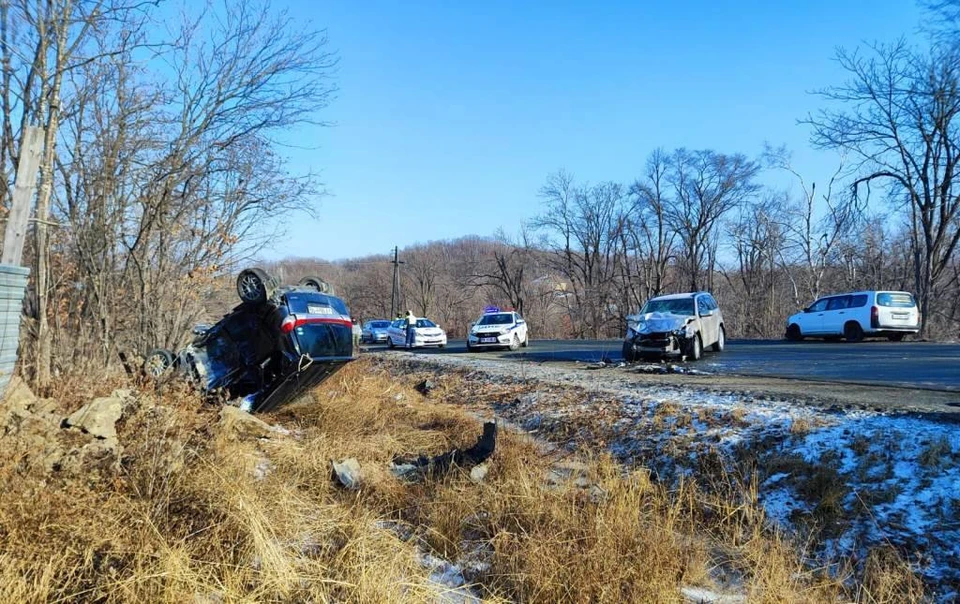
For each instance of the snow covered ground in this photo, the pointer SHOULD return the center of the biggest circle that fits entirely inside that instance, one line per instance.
(866, 478)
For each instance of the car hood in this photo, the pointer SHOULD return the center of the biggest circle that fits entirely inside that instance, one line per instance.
(658, 321)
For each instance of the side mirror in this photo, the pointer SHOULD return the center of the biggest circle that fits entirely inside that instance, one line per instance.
(707, 313)
(472, 324)
(520, 321)
(807, 309)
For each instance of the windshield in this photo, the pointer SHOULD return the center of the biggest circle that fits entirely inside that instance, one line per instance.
(425, 323)
(502, 318)
(676, 306)
(378, 324)
(319, 340)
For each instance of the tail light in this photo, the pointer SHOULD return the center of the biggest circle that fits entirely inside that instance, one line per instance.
(292, 321)
(874, 317)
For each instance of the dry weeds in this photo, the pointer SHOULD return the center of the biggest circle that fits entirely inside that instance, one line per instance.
(191, 515)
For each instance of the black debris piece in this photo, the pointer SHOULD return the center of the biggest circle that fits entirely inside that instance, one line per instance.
(423, 466)
(425, 387)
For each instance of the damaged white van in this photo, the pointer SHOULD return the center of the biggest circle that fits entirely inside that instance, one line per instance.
(856, 315)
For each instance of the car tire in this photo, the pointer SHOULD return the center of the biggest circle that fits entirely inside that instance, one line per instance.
(441, 345)
(255, 286)
(526, 342)
(158, 363)
(896, 337)
(696, 349)
(629, 352)
(793, 333)
(515, 343)
(390, 344)
(852, 332)
(317, 284)
(721, 342)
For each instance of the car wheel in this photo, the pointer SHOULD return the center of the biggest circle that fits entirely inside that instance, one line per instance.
(515, 343)
(793, 333)
(255, 286)
(158, 362)
(317, 284)
(441, 345)
(629, 352)
(896, 337)
(721, 342)
(526, 342)
(852, 332)
(390, 343)
(696, 349)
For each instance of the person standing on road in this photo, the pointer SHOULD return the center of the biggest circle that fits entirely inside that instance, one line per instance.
(411, 329)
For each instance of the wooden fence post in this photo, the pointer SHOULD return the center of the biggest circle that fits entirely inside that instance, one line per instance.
(16, 229)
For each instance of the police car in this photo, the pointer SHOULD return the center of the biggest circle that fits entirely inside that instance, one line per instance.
(498, 329)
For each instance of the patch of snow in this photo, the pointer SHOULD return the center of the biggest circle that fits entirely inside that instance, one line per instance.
(903, 473)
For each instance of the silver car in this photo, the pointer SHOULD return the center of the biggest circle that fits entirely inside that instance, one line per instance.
(676, 325)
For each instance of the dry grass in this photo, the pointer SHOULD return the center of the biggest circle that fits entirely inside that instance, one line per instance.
(183, 517)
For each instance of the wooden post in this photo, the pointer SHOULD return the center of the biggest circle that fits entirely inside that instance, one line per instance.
(16, 230)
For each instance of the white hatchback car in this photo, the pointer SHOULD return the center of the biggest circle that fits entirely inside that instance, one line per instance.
(426, 333)
(857, 314)
(498, 329)
(675, 325)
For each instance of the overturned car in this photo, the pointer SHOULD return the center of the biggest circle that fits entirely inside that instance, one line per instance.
(675, 325)
(279, 342)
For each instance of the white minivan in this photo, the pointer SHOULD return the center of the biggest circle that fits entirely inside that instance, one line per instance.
(856, 315)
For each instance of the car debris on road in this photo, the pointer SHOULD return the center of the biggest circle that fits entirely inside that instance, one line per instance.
(279, 342)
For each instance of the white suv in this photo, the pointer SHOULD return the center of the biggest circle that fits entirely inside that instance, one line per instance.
(857, 314)
(498, 329)
(678, 324)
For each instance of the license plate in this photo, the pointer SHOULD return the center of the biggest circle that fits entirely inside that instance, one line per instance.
(317, 309)
(488, 340)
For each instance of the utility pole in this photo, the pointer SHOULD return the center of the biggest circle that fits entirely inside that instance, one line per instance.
(395, 295)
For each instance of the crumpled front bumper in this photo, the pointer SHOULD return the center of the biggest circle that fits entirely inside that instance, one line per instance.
(664, 344)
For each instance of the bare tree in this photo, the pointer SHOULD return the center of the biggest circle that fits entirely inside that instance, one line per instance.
(585, 225)
(160, 169)
(898, 119)
(647, 239)
(706, 186)
(812, 240)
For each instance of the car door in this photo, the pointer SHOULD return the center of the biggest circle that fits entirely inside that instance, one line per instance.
(521, 328)
(836, 315)
(811, 321)
(397, 334)
(708, 321)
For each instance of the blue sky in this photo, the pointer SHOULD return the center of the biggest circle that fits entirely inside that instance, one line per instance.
(450, 115)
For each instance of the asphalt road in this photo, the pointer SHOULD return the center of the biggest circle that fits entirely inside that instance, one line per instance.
(903, 364)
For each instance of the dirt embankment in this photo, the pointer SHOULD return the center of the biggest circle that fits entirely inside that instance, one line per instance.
(151, 494)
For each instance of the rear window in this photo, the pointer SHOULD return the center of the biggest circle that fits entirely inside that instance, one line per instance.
(896, 300)
(315, 304)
